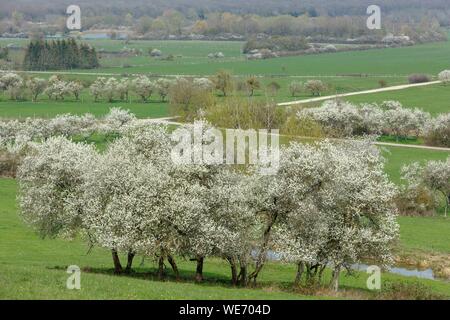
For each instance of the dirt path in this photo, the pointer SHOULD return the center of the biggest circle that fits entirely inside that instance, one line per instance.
(413, 146)
(393, 88)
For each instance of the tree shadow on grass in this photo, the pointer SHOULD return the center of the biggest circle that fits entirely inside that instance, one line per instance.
(186, 277)
(151, 274)
(215, 279)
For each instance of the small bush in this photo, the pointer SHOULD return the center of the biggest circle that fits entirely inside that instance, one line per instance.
(295, 87)
(418, 78)
(416, 201)
(304, 127)
(8, 164)
(187, 100)
(273, 88)
(407, 291)
(437, 132)
(316, 87)
(382, 83)
(277, 43)
(237, 112)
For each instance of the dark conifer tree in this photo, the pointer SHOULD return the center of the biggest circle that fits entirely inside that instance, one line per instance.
(59, 55)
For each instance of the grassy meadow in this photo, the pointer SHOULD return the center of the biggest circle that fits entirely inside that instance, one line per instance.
(34, 268)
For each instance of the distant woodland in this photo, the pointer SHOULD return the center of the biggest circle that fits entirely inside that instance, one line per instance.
(420, 20)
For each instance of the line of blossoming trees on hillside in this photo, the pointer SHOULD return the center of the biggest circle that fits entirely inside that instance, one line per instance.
(342, 119)
(109, 89)
(330, 205)
(335, 118)
(144, 87)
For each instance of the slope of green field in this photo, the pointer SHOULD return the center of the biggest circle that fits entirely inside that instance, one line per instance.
(192, 59)
(428, 234)
(427, 58)
(433, 99)
(34, 268)
(49, 109)
(397, 157)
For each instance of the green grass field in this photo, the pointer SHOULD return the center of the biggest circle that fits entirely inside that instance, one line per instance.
(428, 58)
(48, 109)
(433, 99)
(34, 268)
(427, 234)
(392, 65)
(397, 157)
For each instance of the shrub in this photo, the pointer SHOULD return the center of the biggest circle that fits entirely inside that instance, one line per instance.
(407, 291)
(304, 127)
(330, 48)
(414, 200)
(188, 99)
(12, 83)
(418, 78)
(143, 87)
(337, 119)
(277, 43)
(252, 84)
(295, 87)
(155, 53)
(246, 114)
(8, 164)
(437, 131)
(163, 87)
(316, 87)
(273, 88)
(223, 81)
(204, 84)
(444, 76)
(36, 87)
(382, 83)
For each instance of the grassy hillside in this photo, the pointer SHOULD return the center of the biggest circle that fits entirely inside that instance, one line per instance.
(32, 268)
(433, 99)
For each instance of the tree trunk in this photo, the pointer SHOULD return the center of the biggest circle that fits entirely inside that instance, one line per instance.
(243, 273)
(298, 277)
(117, 266)
(174, 266)
(447, 201)
(161, 267)
(262, 254)
(199, 269)
(130, 261)
(234, 275)
(322, 269)
(335, 278)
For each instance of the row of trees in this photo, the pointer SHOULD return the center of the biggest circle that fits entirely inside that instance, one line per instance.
(307, 24)
(329, 205)
(144, 87)
(344, 119)
(59, 55)
(55, 88)
(109, 89)
(16, 136)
